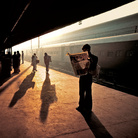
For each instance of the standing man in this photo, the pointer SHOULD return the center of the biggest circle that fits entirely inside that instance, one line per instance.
(85, 83)
(22, 57)
(15, 62)
(47, 59)
(34, 62)
(18, 56)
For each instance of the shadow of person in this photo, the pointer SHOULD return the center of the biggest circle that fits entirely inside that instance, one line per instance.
(26, 84)
(95, 125)
(48, 96)
(12, 80)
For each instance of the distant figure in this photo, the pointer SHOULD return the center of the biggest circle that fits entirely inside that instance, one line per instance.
(22, 57)
(18, 56)
(5, 65)
(8, 62)
(85, 83)
(15, 62)
(47, 59)
(34, 62)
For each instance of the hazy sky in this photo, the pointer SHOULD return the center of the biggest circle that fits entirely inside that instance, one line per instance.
(125, 10)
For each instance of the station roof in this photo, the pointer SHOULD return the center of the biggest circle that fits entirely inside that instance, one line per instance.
(22, 20)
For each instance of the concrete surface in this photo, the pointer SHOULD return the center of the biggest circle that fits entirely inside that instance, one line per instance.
(44, 106)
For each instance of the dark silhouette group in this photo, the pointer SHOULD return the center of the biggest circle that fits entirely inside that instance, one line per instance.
(9, 61)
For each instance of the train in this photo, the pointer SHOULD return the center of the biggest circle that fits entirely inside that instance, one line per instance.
(114, 42)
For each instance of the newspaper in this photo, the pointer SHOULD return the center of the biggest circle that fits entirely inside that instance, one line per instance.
(80, 63)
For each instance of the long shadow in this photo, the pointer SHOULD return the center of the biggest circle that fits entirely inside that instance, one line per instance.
(48, 96)
(26, 84)
(2, 88)
(95, 125)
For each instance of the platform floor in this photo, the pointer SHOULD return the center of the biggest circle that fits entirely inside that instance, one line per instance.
(44, 106)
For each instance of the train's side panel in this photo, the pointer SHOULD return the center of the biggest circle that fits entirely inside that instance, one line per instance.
(117, 60)
(114, 55)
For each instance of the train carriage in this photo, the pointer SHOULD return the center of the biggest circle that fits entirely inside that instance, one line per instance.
(115, 43)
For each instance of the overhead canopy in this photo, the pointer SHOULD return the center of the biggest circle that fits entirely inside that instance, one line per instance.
(22, 20)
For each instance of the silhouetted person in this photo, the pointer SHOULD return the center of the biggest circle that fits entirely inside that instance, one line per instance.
(26, 84)
(22, 57)
(5, 65)
(0, 68)
(1, 58)
(85, 83)
(47, 59)
(15, 62)
(18, 56)
(10, 57)
(34, 62)
(8, 64)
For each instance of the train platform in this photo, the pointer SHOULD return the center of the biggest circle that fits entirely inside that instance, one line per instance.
(38, 105)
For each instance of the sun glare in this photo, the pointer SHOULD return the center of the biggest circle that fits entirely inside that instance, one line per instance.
(125, 10)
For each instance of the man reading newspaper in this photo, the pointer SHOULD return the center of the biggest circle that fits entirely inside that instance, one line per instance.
(84, 64)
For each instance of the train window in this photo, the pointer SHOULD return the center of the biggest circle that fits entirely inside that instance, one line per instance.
(110, 54)
(129, 53)
(119, 53)
(102, 53)
(97, 53)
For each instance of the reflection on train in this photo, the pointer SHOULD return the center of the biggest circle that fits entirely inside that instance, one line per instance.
(115, 43)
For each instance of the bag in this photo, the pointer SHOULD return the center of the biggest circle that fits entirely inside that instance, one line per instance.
(50, 59)
(95, 73)
(37, 61)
